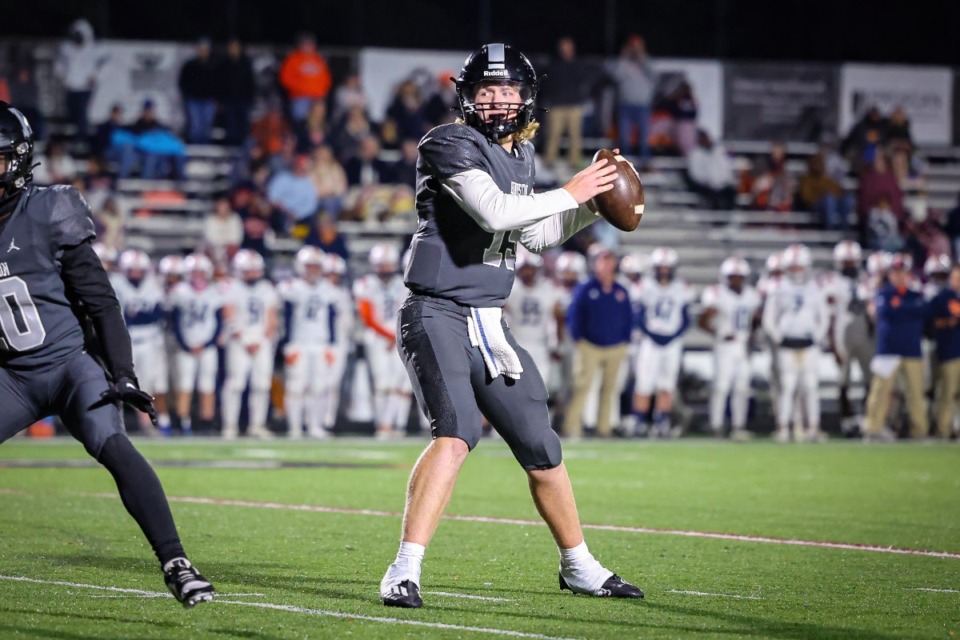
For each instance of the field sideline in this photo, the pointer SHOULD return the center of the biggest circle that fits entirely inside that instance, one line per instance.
(842, 540)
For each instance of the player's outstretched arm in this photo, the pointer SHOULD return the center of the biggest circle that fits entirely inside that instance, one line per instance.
(86, 281)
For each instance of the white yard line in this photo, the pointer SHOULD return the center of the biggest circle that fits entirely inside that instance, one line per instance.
(846, 546)
(467, 596)
(715, 595)
(303, 610)
(932, 590)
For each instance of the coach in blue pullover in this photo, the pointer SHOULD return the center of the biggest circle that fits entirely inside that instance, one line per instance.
(945, 323)
(599, 320)
(901, 316)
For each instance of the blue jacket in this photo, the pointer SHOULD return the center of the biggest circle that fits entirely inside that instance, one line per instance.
(603, 319)
(946, 305)
(901, 318)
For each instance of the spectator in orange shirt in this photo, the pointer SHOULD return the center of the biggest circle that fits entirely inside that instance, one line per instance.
(270, 130)
(305, 76)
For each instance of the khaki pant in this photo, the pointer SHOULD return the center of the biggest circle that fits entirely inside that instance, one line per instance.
(948, 386)
(587, 360)
(878, 403)
(560, 119)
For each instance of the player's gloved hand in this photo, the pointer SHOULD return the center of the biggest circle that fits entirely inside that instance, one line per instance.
(127, 392)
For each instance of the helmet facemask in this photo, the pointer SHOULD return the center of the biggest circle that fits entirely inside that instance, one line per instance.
(499, 126)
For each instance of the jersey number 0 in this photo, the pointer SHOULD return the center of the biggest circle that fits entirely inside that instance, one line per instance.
(20, 326)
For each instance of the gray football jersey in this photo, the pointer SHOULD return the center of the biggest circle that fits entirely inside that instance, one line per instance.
(452, 257)
(37, 323)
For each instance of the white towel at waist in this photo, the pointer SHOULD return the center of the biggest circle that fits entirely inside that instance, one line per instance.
(486, 332)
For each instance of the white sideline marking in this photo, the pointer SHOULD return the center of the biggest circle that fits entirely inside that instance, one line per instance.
(931, 589)
(468, 596)
(845, 546)
(848, 546)
(717, 595)
(294, 609)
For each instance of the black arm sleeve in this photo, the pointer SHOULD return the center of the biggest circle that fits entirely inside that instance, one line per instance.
(86, 281)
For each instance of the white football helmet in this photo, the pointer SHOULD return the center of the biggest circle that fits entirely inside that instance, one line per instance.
(664, 257)
(335, 265)
(198, 264)
(902, 261)
(937, 265)
(385, 258)
(171, 266)
(528, 259)
(879, 262)
(847, 251)
(633, 264)
(734, 266)
(133, 260)
(570, 263)
(248, 265)
(108, 255)
(796, 257)
(774, 264)
(309, 259)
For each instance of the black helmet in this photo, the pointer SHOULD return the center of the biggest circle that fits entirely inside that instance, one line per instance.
(16, 145)
(500, 64)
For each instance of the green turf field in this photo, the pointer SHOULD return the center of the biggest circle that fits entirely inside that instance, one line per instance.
(284, 572)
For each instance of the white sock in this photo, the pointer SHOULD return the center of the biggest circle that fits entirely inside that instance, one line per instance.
(230, 404)
(406, 566)
(293, 403)
(582, 572)
(259, 404)
(163, 421)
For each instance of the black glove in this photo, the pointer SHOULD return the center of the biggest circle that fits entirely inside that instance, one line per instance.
(126, 391)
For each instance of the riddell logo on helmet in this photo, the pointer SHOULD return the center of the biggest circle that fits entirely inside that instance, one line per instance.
(500, 72)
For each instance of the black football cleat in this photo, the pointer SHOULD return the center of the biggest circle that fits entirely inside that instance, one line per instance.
(186, 584)
(613, 587)
(406, 595)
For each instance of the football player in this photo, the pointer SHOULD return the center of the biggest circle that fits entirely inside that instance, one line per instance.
(316, 315)
(250, 315)
(664, 317)
(632, 267)
(569, 270)
(532, 310)
(341, 339)
(48, 264)
(196, 319)
(379, 296)
(730, 313)
(141, 299)
(851, 332)
(475, 201)
(795, 317)
(936, 269)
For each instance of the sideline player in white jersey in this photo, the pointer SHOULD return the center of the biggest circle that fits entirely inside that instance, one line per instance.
(766, 285)
(318, 319)
(196, 310)
(795, 317)
(250, 314)
(142, 301)
(851, 334)
(632, 268)
(730, 313)
(532, 310)
(664, 318)
(569, 270)
(379, 296)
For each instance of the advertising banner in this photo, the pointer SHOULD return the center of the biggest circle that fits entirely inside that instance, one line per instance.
(925, 93)
(793, 102)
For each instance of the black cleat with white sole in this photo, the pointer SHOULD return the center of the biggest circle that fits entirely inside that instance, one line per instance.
(613, 587)
(186, 584)
(405, 594)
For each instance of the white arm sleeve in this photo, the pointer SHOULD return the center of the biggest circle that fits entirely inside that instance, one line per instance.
(769, 319)
(492, 209)
(552, 231)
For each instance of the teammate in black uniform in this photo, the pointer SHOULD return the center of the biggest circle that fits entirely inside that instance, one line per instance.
(51, 282)
(475, 201)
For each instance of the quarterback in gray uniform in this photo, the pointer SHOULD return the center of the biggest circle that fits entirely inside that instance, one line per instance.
(51, 283)
(475, 201)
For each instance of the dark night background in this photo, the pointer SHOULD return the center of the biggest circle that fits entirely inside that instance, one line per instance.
(909, 31)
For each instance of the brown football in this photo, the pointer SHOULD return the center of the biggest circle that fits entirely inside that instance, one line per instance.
(622, 206)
